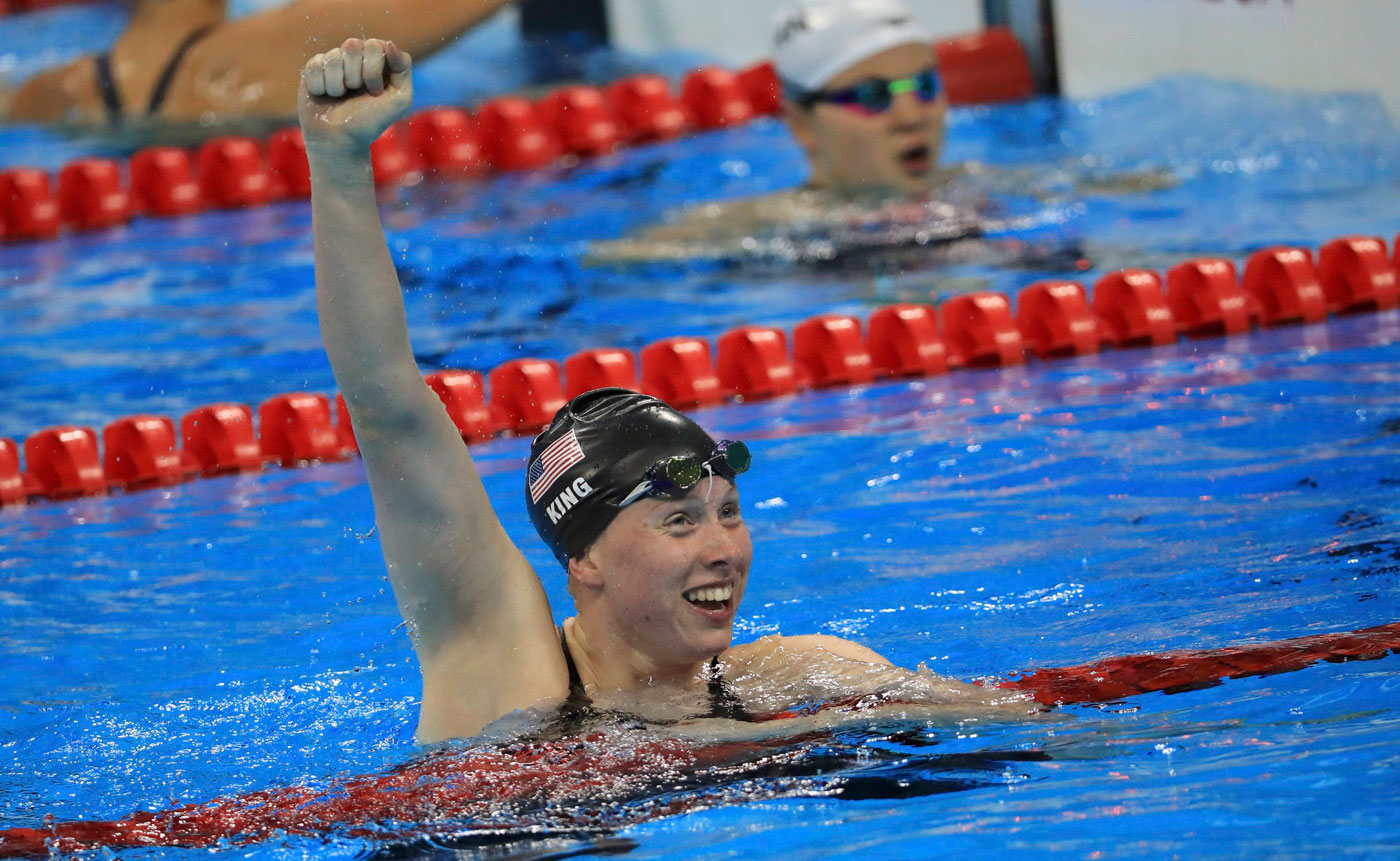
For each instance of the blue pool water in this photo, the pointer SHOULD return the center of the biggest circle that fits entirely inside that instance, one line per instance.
(234, 634)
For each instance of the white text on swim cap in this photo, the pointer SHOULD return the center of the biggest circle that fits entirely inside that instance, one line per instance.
(567, 498)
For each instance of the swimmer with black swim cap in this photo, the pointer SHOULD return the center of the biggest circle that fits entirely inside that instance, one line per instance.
(637, 502)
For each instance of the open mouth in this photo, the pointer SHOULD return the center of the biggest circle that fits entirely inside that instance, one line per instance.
(711, 598)
(916, 160)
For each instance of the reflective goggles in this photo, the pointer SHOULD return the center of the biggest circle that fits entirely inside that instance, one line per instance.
(875, 95)
(675, 476)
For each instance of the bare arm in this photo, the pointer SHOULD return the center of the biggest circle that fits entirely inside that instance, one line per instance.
(249, 65)
(477, 613)
(774, 674)
(418, 27)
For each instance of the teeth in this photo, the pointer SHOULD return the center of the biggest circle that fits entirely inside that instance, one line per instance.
(719, 593)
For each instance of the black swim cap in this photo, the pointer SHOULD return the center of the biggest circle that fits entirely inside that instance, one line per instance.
(596, 451)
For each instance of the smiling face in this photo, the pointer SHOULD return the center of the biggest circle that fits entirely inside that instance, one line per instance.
(892, 152)
(663, 581)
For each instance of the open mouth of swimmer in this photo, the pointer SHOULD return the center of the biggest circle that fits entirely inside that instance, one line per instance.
(915, 159)
(712, 598)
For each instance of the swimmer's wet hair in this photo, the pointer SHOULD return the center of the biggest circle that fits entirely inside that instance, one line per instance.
(595, 451)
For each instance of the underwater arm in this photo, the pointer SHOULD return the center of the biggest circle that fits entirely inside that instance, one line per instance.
(477, 612)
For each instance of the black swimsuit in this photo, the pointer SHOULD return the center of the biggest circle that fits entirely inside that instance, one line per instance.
(107, 85)
(723, 702)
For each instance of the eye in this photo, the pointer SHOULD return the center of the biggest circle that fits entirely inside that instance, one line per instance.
(677, 520)
(873, 94)
(730, 511)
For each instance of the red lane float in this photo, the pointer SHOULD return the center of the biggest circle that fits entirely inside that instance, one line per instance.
(90, 194)
(605, 367)
(446, 141)
(219, 438)
(526, 393)
(232, 173)
(829, 351)
(1133, 308)
(1357, 276)
(296, 428)
(763, 87)
(1055, 320)
(647, 108)
(27, 207)
(461, 785)
(583, 121)
(1206, 299)
(979, 331)
(63, 462)
(753, 363)
(716, 98)
(1284, 282)
(13, 487)
(989, 66)
(514, 137)
(904, 341)
(140, 451)
(679, 371)
(162, 183)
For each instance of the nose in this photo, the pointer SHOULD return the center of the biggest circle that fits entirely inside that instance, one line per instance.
(908, 111)
(725, 546)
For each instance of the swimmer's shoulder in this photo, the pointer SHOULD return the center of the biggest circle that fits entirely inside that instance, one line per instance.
(776, 649)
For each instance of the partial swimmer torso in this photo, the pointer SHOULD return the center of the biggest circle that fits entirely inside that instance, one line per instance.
(772, 686)
(797, 226)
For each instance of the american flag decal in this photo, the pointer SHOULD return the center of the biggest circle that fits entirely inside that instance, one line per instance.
(553, 462)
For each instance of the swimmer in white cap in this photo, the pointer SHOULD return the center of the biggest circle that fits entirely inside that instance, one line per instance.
(862, 94)
(863, 97)
(638, 503)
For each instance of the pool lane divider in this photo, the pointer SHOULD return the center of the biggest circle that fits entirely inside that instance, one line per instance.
(504, 134)
(474, 783)
(1051, 319)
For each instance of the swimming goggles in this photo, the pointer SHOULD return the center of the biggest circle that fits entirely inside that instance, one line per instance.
(674, 476)
(875, 95)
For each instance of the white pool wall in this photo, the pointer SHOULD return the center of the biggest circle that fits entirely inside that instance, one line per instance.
(1104, 46)
(1107, 46)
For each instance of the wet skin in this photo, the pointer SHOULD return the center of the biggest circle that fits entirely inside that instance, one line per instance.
(631, 586)
(892, 152)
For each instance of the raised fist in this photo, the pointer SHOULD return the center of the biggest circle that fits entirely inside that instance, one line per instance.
(351, 94)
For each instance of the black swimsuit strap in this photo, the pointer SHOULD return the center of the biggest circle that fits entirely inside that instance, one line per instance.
(167, 75)
(107, 88)
(724, 702)
(578, 696)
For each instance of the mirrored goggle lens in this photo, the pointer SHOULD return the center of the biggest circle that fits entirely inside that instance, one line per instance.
(680, 473)
(736, 455)
(927, 85)
(873, 95)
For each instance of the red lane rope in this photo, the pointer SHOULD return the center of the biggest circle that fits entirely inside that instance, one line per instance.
(461, 785)
(1052, 319)
(505, 134)
(1174, 672)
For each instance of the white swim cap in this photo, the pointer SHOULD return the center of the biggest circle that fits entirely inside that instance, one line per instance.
(813, 42)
